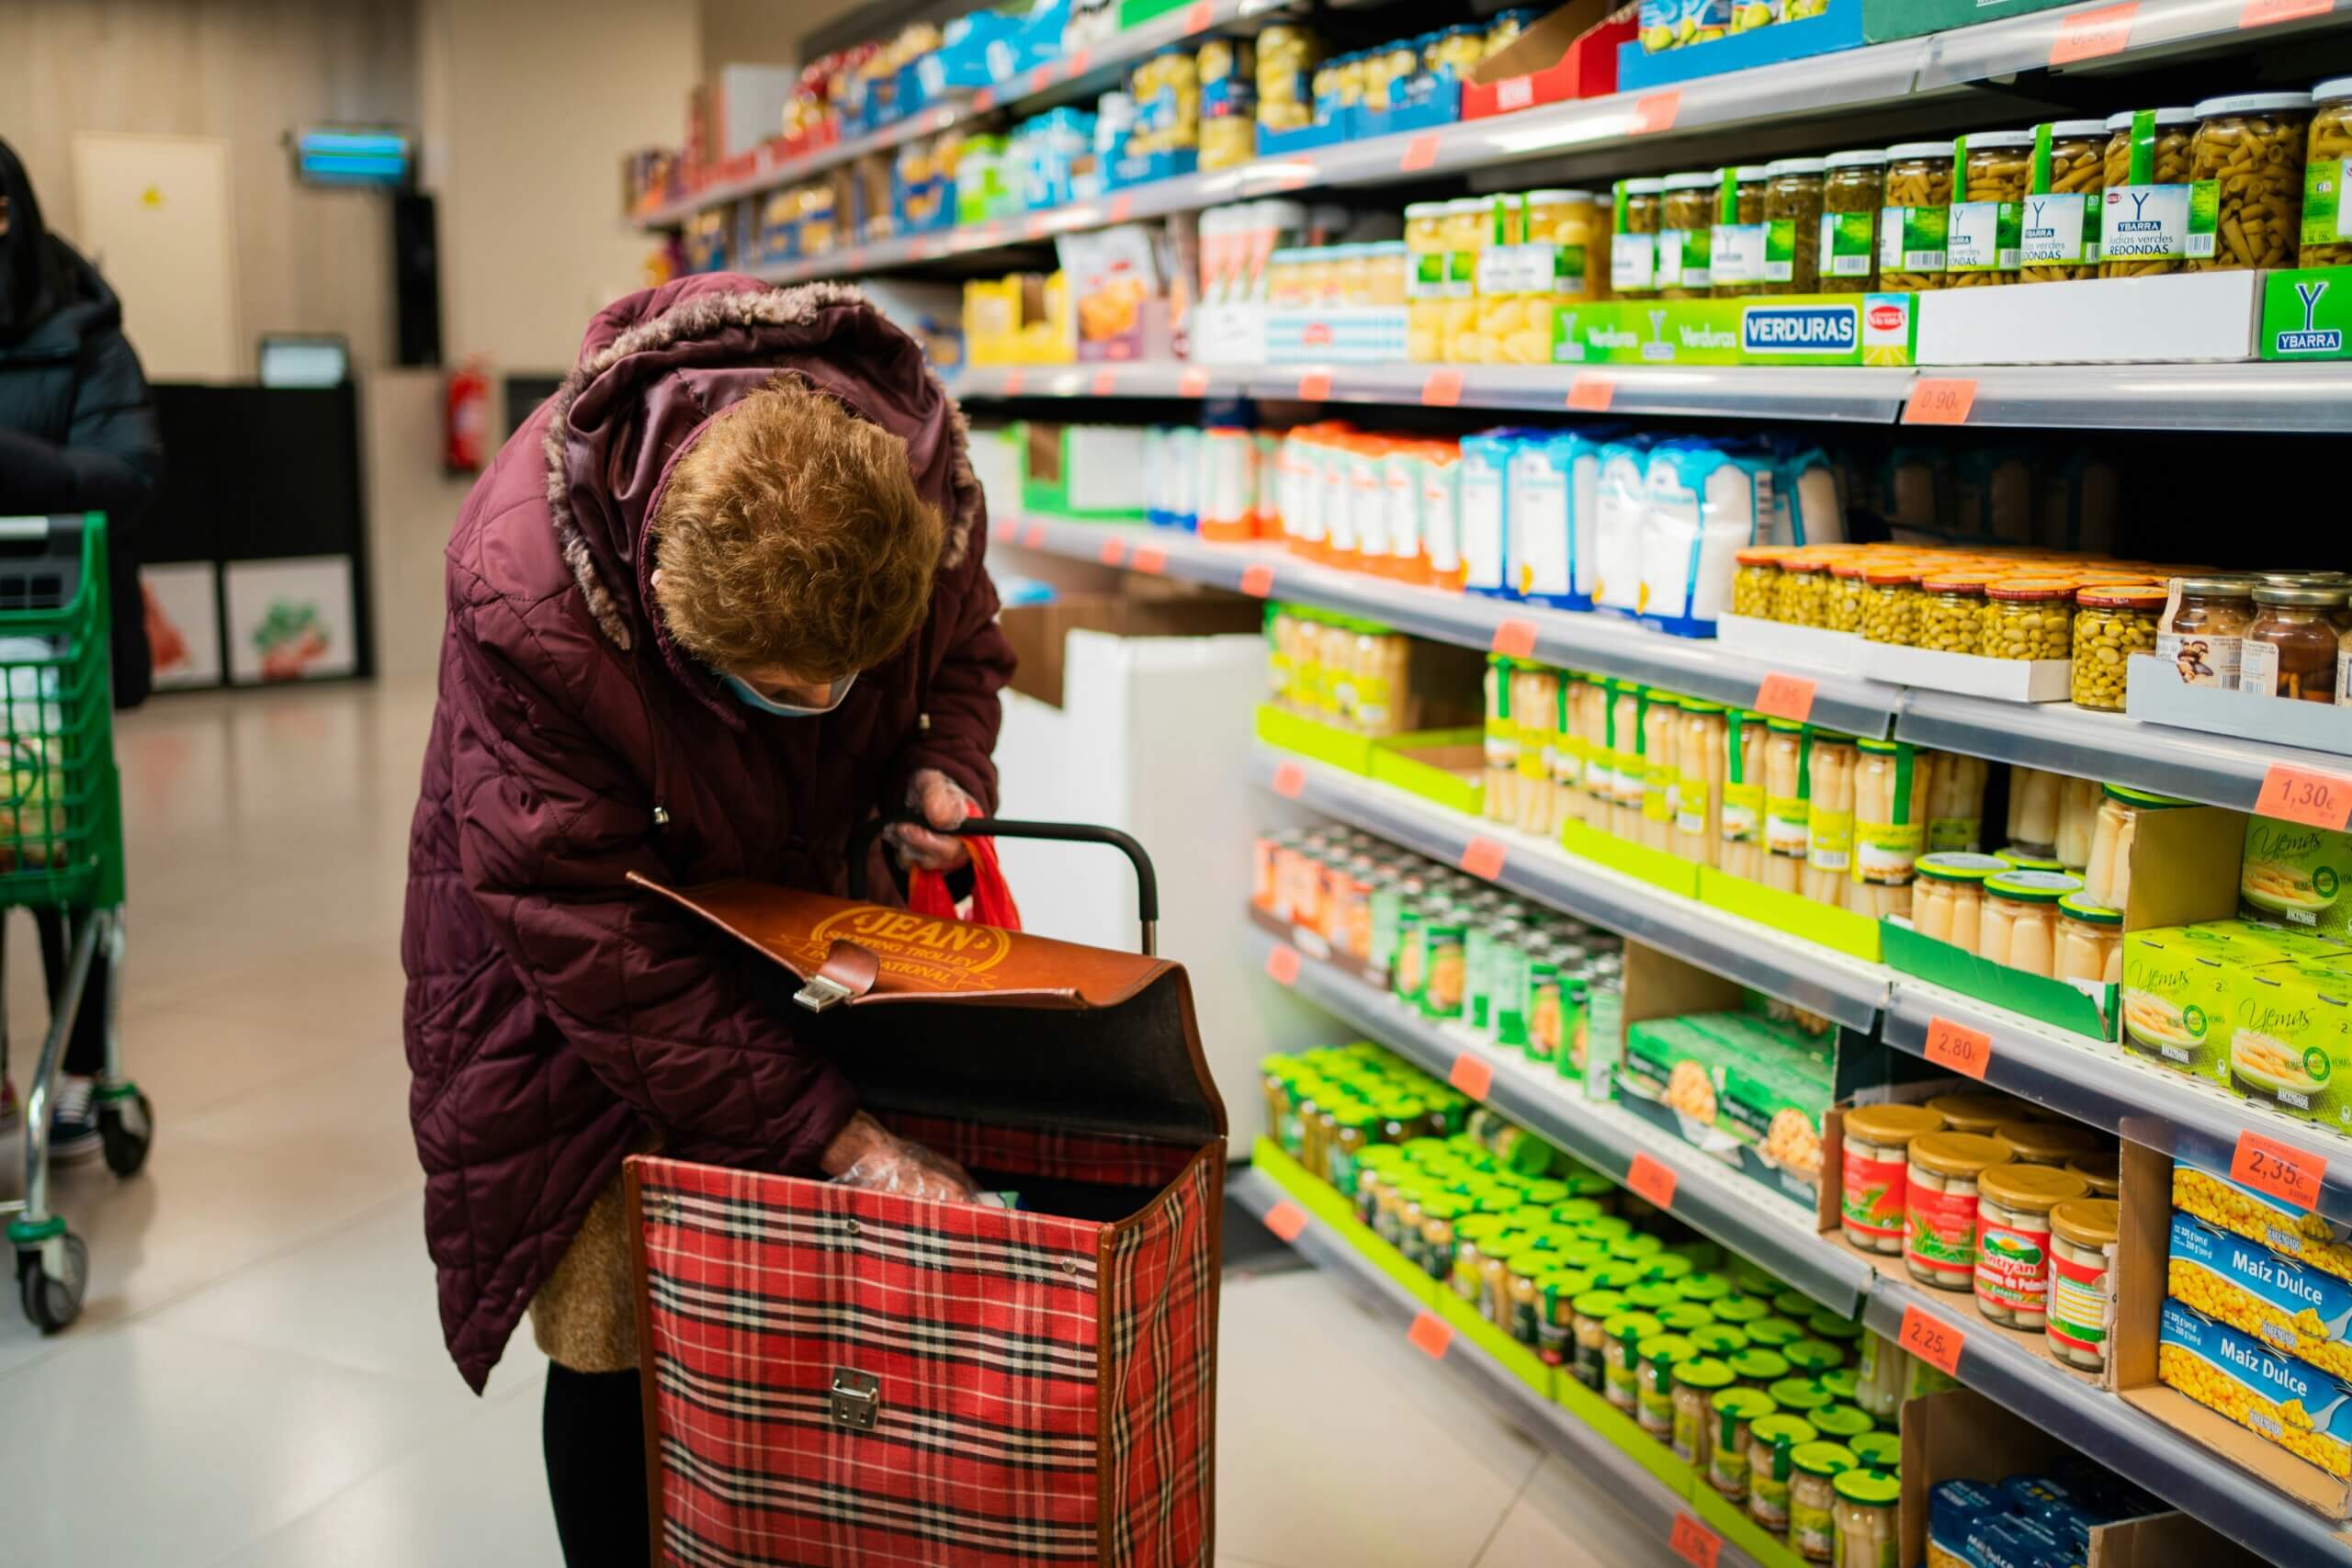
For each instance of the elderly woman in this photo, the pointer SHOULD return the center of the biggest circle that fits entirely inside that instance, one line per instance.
(719, 600)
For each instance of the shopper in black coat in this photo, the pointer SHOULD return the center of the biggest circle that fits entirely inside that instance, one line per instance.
(77, 434)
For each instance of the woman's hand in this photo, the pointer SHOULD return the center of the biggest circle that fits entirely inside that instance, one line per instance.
(867, 1155)
(942, 804)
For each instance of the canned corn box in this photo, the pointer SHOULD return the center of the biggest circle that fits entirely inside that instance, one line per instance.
(2288, 1305)
(2276, 1396)
(1796, 329)
(2309, 1238)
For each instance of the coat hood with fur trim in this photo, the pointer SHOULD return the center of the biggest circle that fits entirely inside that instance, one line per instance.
(657, 366)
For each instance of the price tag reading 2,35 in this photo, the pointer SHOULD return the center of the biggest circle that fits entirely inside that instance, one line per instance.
(2305, 796)
(2286, 1173)
(1931, 1339)
(1694, 1543)
(1966, 1050)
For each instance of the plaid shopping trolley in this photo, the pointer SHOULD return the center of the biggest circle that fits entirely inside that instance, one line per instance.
(836, 1376)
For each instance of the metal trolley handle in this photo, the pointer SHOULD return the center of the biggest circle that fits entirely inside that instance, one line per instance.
(860, 844)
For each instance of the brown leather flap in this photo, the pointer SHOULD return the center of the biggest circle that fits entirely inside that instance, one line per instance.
(992, 1025)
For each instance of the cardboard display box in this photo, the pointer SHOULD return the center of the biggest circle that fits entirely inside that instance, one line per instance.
(1039, 633)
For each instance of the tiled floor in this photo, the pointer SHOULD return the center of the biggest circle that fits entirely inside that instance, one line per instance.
(259, 1378)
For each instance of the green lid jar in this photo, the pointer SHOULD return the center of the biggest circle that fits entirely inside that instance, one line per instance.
(1704, 1288)
(1842, 1421)
(1686, 1317)
(1740, 1310)
(1757, 1367)
(1734, 1411)
(1800, 1395)
(1696, 1383)
(1814, 1357)
(1828, 1325)
(1718, 1338)
(1880, 1450)
(1774, 1332)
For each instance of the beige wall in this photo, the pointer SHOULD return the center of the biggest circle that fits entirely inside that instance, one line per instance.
(248, 71)
(528, 105)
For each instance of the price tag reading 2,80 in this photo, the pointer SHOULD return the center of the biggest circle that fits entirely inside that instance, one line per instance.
(1931, 1339)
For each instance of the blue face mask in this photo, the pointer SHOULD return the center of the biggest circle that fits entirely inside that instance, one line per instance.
(751, 698)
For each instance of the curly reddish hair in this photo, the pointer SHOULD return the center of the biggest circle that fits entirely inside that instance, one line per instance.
(790, 536)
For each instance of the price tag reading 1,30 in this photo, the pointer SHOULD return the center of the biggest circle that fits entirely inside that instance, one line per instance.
(2286, 1173)
(1966, 1050)
(2305, 796)
(1931, 1339)
(1652, 1181)
(1694, 1543)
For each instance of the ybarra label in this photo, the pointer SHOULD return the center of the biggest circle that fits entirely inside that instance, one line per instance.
(1800, 329)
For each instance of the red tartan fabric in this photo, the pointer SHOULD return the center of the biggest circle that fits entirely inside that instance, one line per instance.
(980, 1323)
(1159, 1368)
(1108, 1158)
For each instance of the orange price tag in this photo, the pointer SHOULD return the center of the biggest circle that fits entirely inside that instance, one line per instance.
(1785, 696)
(1281, 965)
(1483, 858)
(1192, 383)
(2286, 1173)
(1420, 153)
(1966, 1050)
(1198, 17)
(1150, 559)
(1442, 390)
(1013, 381)
(1694, 1543)
(1654, 112)
(1106, 382)
(1940, 399)
(2094, 33)
(1931, 1339)
(1431, 1335)
(1122, 207)
(1590, 393)
(1473, 1074)
(1314, 386)
(1113, 551)
(1287, 1219)
(1651, 1180)
(2263, 13)
(2300, 795)
(1258, 581)
(1289, 781)
(1515, 638)
(1035, 537)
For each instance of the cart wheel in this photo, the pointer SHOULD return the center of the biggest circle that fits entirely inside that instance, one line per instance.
(127, 1127)
(52, 1302)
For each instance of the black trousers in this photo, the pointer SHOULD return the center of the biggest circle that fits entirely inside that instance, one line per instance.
(85, 1048)
(592, 1428)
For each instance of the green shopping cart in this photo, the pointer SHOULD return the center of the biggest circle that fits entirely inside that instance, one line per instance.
(60, 849)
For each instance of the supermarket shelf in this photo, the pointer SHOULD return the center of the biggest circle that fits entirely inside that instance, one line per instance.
(2108, 1086)
(1798, 971)
(2128, 1442)
(1708, 1196)
(1645, 1497)
(1603, 644)
(2217, 770)
(1088, 73)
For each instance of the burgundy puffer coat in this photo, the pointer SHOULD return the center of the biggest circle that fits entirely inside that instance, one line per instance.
(553, 1015)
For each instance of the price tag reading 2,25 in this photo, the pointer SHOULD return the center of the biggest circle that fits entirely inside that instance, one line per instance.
(1931, 1339)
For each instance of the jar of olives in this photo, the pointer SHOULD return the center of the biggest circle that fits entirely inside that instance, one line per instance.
(2145, 231)
(1853, 189)
(1890, 595)
(2327, 217)
(2062, 212)
(1686, 237)
(1632, 240)
(1986, 233)
(1913, 224)
(1951, 612)
(2245, 162)
(2029, 618)
(1793, 199)
(2113, 622)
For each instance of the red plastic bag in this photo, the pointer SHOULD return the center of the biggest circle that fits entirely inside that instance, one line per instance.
(991, 901)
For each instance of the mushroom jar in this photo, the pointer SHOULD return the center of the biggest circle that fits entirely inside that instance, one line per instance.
(1939, 1206)
(2013, 1206)
(1873, 1159)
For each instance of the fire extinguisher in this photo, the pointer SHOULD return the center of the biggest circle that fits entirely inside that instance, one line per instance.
(466, 419)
